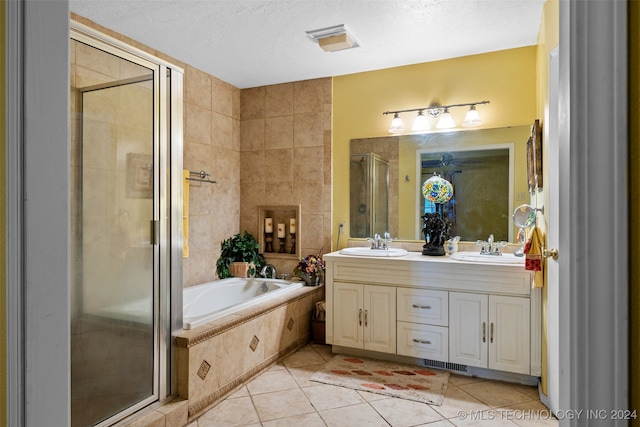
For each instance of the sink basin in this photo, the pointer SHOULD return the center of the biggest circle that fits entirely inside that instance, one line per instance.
(487, 259)
(364, 251)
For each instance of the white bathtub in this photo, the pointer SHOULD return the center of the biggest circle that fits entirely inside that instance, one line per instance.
(210, 301)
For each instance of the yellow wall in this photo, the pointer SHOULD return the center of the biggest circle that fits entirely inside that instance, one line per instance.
(506, 78)
(3, 278)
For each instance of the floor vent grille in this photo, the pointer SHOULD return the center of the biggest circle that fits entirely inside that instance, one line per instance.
(446, 365)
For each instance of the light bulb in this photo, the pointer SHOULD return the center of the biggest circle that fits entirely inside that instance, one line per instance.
(396, 124)
(446, 120)
(421, 123)
(472, 118)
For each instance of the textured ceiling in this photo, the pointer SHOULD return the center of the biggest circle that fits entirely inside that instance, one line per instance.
(256, 43)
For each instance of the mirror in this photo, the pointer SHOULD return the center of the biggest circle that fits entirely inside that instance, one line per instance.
(487, 167)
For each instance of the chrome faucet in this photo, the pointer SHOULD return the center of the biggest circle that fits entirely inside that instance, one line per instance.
(490, 247)
(266, 267)
(381, 243)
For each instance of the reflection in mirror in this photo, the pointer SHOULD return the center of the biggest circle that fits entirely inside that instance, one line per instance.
(481, 178)
(474, 203)
(368, 193)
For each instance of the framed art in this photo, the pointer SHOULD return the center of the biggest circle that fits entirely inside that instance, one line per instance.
(139, 176)
(534, 158)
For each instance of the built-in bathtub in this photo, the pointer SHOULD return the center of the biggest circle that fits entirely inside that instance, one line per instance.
(226, 347)
(210, 301)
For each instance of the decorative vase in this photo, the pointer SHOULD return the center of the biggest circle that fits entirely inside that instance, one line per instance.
(310, 279)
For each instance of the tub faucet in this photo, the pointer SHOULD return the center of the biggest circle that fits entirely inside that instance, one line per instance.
(266, 267)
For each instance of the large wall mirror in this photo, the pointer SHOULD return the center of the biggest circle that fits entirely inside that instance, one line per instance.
(487, 168)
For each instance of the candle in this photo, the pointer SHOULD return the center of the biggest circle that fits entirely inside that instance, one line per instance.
(268, 225)
(281, 231)
(292, 226)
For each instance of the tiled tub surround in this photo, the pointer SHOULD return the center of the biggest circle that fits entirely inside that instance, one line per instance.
(218, 357)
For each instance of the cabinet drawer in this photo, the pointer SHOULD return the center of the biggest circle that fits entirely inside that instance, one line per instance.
(423, 306)
(423, 341)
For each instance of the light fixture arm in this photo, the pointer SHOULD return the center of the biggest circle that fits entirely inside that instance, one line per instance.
(435, 110)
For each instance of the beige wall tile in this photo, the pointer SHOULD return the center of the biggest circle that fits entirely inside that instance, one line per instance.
(222, 98)
(279, 165)
(197, 123)
(197, 87)
(279, 193)
(252, 135)
(252, 103)
(279, 132)
(308, 130)
(309, 164)
(279, 100)
(221, 130)
(308, 96)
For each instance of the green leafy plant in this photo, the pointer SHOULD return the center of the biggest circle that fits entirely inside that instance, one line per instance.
(239, 248)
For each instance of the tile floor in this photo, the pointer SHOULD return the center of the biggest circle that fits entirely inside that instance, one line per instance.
(283, 396)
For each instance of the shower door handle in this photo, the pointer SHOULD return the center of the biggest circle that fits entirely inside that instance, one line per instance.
(154, 232)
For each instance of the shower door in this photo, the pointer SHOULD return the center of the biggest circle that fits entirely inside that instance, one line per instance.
(119, 189)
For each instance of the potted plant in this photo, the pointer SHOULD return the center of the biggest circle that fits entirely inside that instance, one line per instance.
(241, 248)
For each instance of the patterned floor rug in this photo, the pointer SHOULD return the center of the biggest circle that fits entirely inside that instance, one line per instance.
(392, 379)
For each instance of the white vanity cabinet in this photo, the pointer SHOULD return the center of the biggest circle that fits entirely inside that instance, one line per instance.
(490, 331)
(465, 314)
(365, 316)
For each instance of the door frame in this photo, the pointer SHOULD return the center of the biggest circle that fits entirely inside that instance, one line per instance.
(593, 249)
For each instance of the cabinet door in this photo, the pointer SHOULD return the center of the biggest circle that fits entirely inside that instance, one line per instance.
(468, 329)
(509, 343)
(348, 315)
(380, 318)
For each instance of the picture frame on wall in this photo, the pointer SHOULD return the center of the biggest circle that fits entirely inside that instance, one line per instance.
(139, 176)
(534, 158)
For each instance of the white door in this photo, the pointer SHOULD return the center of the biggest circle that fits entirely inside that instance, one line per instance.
(509, 337)
(468, 329)
(380, 318)
(553, 233)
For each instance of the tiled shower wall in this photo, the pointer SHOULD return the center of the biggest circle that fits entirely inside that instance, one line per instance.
(285, 159)
(265, 145)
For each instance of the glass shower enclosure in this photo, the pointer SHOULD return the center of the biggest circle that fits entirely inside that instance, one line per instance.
(368, 195)
(120, 230)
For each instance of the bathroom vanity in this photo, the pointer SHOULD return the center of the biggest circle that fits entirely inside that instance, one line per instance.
(467, 316)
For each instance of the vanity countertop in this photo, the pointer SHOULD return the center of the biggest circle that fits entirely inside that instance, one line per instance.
(417, 257)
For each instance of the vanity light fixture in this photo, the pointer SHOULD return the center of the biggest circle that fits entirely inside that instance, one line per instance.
(396, 124)
(421, 123)
(331, 39)
(446, 120)
(472, 118)
(436, 111)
